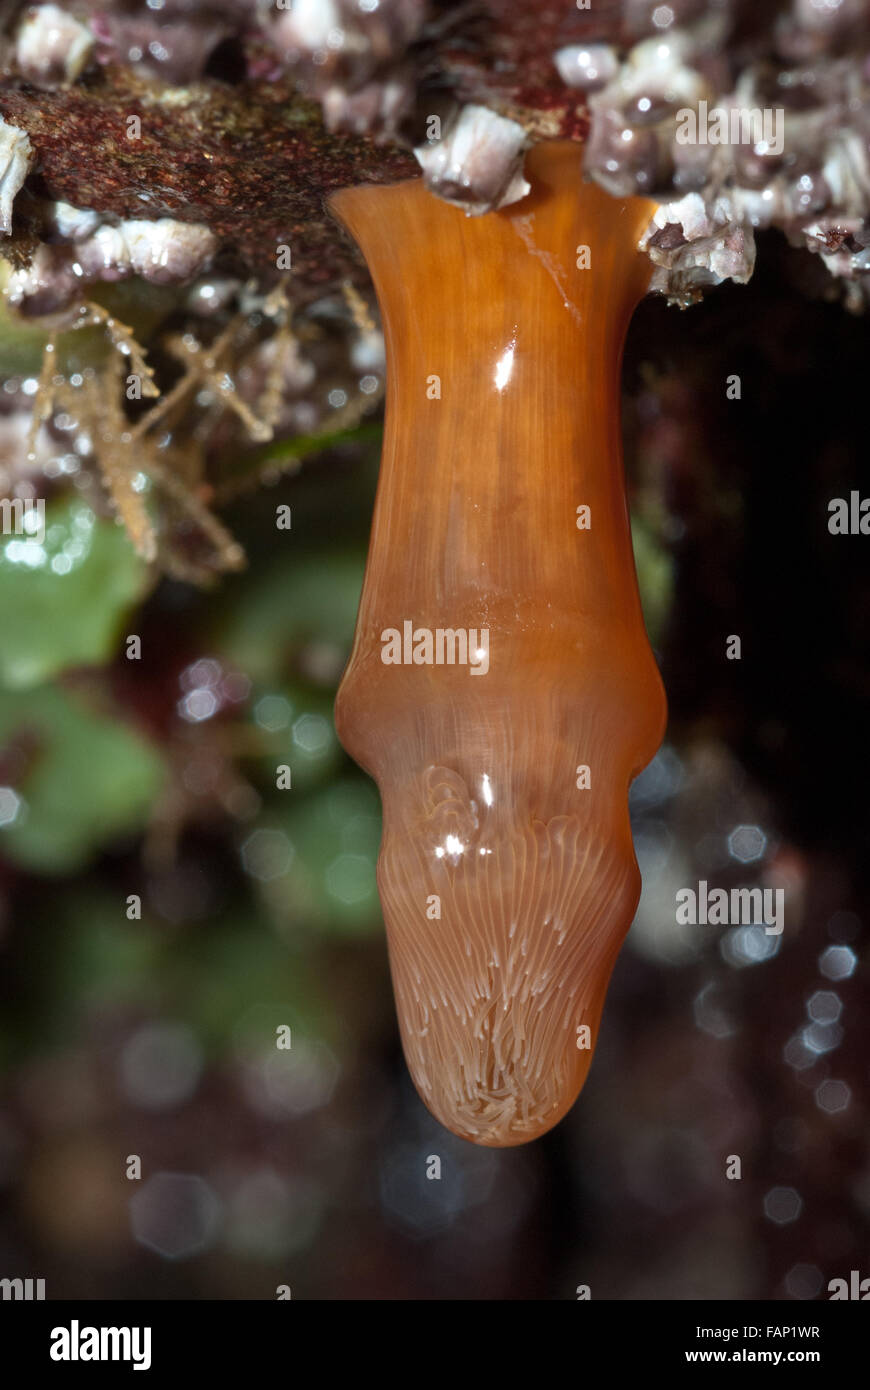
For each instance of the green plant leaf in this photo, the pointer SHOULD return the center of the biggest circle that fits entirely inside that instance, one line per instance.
(298, 599)
(80, 779)
(63, 599)
(315, 865)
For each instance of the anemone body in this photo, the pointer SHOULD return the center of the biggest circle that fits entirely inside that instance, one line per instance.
(507, 873)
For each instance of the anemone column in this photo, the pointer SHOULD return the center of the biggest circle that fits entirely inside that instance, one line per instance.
(501, 689)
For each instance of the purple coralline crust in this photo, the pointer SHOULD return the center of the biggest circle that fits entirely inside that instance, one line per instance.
(252, 161)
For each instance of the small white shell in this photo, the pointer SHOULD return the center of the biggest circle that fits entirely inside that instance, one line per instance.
(52, 46)
(378, 107)
(48, 285)
(478, 163)
(167, 250)
(161, 251)
(16, 153)
(691, 213)
(74, 223)
(718, 243)
(309, 24)
(588, 66)
(847, 171)
(106, 251)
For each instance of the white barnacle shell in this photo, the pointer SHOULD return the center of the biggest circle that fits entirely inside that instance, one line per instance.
(167, 250)
(690, 213)
(377, 108)
(52, 46)
(16, 153)
(46, 286)
(309, 24)
(161, 251)
(662, 67)
(714, 242)
(847, 170)
(104, 255)
(354, 36)
(831, 238)
(761, 206)
(73, 224)
(478, 162)
(589, 66)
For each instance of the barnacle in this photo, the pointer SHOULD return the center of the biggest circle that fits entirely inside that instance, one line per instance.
(645, 138)
(52, 45)
(476, 162)
(15, 155)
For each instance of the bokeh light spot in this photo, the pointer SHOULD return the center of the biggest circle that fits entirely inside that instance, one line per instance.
(782, 1205)
(747, 843)
(833, 1096)
(160, 1065)
(837, 962)
(267, 854)
(175, 1214)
